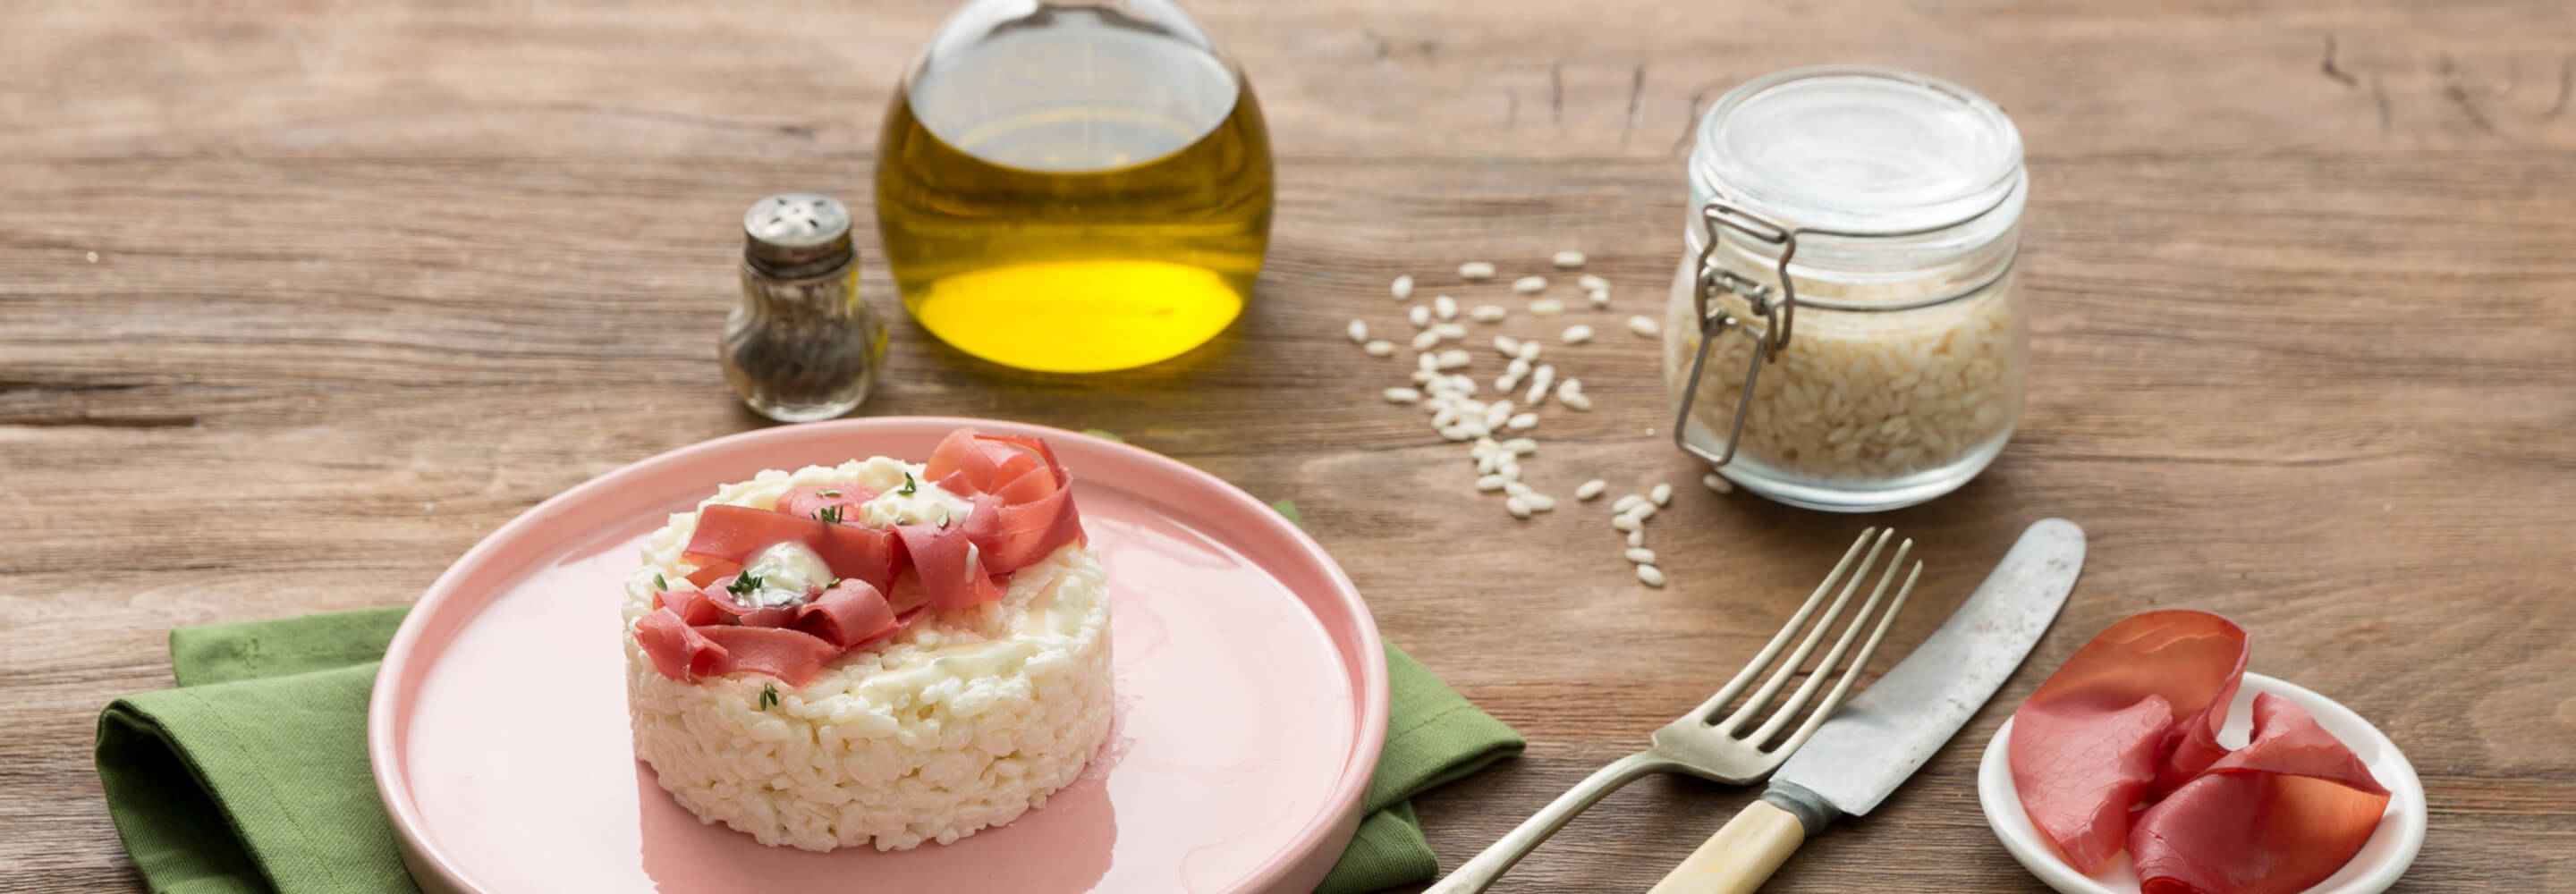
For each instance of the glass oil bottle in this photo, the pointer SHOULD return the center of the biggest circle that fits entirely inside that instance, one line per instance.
(1074, 186)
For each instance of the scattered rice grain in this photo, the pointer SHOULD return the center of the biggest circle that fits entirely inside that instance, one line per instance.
(1637, 538)
(1627, 523)
(1454, 359)
(1475, 270)
(1576, 334)
(1358, 331)
(1591, 283)
(1644, 326)
(1489, 483)
(1568, 259)
(1598, 297)
(1522, 422)
(1653, 576)
(1662, 494)
(1641, 555)
(1518, 507)
(1529, 350)
(1402, 288)
(1450, 330)
(1521, 446)
(1488, 313)
(1546, 307)
(1642, 511)
(1576, 401)
(1714, 483)
(1402, 395)
(1623, 504)
(1426, 340)
(1508, 345)
(1379, 348)
(1419, 316)
(1530, 285)
(1444, 307)
(1590, 489)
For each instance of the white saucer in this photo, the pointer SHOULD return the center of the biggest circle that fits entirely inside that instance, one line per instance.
(2381, 860)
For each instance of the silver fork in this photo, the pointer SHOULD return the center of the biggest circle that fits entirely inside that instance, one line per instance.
(1721, 749)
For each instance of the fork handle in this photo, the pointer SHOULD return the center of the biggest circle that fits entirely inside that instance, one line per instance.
(1741, 856)
(1480, 871)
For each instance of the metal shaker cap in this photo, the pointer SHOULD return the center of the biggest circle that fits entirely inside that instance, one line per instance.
(796, 234)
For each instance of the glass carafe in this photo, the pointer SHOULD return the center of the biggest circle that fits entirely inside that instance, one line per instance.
(1074, 187)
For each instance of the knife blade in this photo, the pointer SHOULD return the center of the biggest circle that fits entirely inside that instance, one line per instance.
(1881, 736)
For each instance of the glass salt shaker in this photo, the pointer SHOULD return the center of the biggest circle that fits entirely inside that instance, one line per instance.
(802, 345)
(1846, 331)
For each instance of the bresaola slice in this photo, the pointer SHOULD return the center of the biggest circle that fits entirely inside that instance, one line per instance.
(2273, 817)
(2133, 718)
(1023, 512)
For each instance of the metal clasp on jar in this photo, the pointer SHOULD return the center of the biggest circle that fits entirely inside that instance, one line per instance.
(1775, 307)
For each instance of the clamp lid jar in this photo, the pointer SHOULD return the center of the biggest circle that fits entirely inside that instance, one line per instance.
(1846, 331)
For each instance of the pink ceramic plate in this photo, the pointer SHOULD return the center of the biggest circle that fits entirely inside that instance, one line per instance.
(1250, 686)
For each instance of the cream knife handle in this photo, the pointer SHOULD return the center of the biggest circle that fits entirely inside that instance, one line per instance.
(1741, 856)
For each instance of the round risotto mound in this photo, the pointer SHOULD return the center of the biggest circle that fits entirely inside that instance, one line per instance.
(963, 720)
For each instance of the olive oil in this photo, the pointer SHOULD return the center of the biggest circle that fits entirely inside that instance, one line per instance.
(1081, 188)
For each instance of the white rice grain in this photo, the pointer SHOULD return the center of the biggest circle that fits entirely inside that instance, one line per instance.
(1508, 345)
(1530, 285)
(1598, 297)
(1567, 260)
(1641, 555)
(1444, 307)
(1642, 511)
(1522, 422)
(1488, 313)
(1623, 504)
(1662, 494)
(1529, 350)
(1426, 340)
(1379, 348)
(1540, 382)
(1402, 395)
(1546, 307)
(1450, 330)
(1591, 283)
(1419, 316)
(1489, 483)
(1475, 270)
(1454, 359)
(1717, 484)
(1627, 523)
(1358, 331)
(1653, 576)
(1427, 362)
(1576, 334)
(1498, 412)
(1590, 490)
(1521, 446)
(1402, 288)
(1519, 507)
(1576, 401)
(1637, 538)
(1645, 327)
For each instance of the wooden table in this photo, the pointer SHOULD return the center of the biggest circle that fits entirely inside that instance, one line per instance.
(299, 300)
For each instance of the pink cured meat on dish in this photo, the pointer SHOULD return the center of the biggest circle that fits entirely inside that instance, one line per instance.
(2133, 718)
(1023, 512)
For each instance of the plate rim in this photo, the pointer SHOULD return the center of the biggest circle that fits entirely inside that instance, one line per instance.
(393, 790)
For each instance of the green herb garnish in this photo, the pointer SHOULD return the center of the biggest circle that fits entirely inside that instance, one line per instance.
(1104, 434)
(768, 695)
(830, 515)
(831, 493)
(744, 585)
(659, 583)
(943, 516)
(909, 485)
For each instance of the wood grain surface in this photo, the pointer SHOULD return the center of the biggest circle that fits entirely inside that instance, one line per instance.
(300, 299)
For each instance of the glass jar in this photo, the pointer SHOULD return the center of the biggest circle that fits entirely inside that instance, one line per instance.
(1846, 331)
(1074, 185)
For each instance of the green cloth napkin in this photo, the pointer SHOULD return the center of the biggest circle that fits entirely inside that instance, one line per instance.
(252, 775)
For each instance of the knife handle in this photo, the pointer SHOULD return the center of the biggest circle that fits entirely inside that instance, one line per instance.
(1741, 856)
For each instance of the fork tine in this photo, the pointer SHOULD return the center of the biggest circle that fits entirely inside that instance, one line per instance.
(1843, 686)
(1761, 698)
(1788, 710)
(1735, 687)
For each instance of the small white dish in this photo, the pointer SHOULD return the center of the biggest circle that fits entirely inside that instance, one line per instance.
(2381, 860)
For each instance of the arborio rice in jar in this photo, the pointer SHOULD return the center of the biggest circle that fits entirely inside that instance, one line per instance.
(1864, 397)
(1891, 202)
